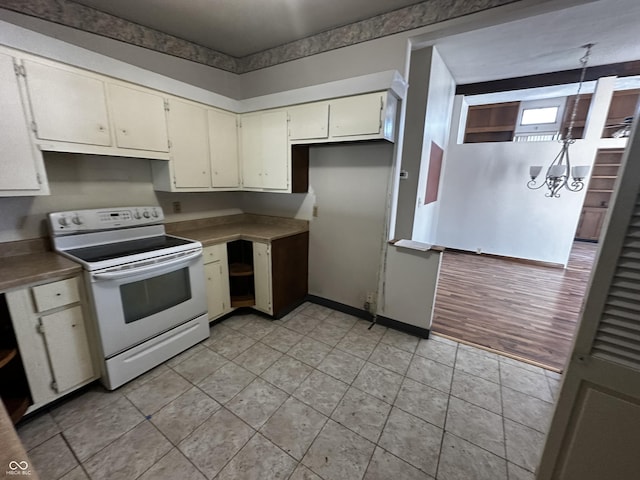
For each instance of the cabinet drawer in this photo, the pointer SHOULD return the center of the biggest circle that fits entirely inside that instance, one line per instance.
(56, 294)
(215, 253)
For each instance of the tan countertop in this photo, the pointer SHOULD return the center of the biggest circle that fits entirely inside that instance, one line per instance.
(254, 232)
(26, 262)
(21, 270)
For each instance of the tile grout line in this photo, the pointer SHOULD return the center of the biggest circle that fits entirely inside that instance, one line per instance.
(446, 413)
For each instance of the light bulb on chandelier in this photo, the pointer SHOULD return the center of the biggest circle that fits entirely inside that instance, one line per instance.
(560, 170)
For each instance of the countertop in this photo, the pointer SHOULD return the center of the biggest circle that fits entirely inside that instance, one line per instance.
(21, 270)
(28, 261)
(252, 231)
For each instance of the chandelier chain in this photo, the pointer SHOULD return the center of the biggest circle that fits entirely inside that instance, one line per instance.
(584, 60)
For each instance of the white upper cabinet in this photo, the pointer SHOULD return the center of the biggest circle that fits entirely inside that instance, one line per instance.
(188, 132)
(275, 151)
(67, 105)
(360, 115)
(203, 152)
(309, 122)
(371, 116)
(223, 149)
(265, 150)
(20, 162)
(138, 118)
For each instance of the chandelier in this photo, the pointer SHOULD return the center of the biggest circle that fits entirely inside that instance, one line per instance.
(557, 175)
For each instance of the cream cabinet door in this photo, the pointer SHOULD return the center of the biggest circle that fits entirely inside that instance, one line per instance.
(358, 115)
(188, 131)
(216, 270)
(223, 149)
(308, 122)
(275, 151)
(251, 150)
(215, 297)
(19, 160)
(262, 277)
(68, 348)
(138, 118)
(67, 105)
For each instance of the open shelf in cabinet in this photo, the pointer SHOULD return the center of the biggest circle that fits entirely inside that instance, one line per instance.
(241, 275)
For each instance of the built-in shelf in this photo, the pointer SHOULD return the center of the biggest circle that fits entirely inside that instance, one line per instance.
(240, 270)
(6, 355)
(246, 300)
(16, 407)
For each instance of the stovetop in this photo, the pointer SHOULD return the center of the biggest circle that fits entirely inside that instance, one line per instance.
(110, 251)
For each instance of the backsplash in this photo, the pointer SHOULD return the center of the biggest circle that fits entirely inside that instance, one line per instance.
(92, 181)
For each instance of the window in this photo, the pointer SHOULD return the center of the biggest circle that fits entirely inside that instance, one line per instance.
(532, 116)
(540, 117)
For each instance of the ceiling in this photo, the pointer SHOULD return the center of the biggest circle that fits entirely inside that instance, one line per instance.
(242, 27)
(539, 44)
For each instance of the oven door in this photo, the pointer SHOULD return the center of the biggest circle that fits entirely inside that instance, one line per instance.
(139, 301)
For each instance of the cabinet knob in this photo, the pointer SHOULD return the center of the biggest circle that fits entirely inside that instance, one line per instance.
(101, 128)
(124, 132)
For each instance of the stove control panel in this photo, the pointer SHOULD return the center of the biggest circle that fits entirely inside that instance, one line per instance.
(75, 221)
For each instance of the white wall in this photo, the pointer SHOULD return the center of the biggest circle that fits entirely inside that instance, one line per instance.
(485, 204)
(92, 181)
(346, 238)
(441, 91)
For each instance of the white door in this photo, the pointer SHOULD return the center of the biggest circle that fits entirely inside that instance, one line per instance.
(189, 145)
(309, 121)
(215, 297)
(138, 118)
(223, 149)
(595, 430)
(67, 106)
(275, 151)
(68, 348)
(262, 276)
(18, 159)
(251, 150)
(359, 115)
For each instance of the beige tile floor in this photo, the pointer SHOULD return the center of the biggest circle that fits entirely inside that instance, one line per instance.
(316, 395)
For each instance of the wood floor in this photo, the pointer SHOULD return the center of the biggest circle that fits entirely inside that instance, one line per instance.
(525, 310)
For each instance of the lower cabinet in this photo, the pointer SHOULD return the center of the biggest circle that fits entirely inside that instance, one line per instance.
(269, 277)
(49, 325)
(216, 272)
(591, 221)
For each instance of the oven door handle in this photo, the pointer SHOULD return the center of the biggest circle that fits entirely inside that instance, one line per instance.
(130, 272)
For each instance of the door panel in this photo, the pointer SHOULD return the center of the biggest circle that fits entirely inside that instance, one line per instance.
(67, 106)
(189, 145)
(17, 161)
(139, 119)
(223, 149)
(275, 155)
(67, 347)
(359, 115)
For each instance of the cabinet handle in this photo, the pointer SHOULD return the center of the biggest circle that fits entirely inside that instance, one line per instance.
(58, 294)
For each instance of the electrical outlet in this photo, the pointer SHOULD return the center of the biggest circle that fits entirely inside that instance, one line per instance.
(177, 207)
(315, 210)
(478, 250)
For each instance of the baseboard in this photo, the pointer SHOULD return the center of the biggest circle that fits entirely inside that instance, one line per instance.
(341, 307)
(357, 312)
(403, 327)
